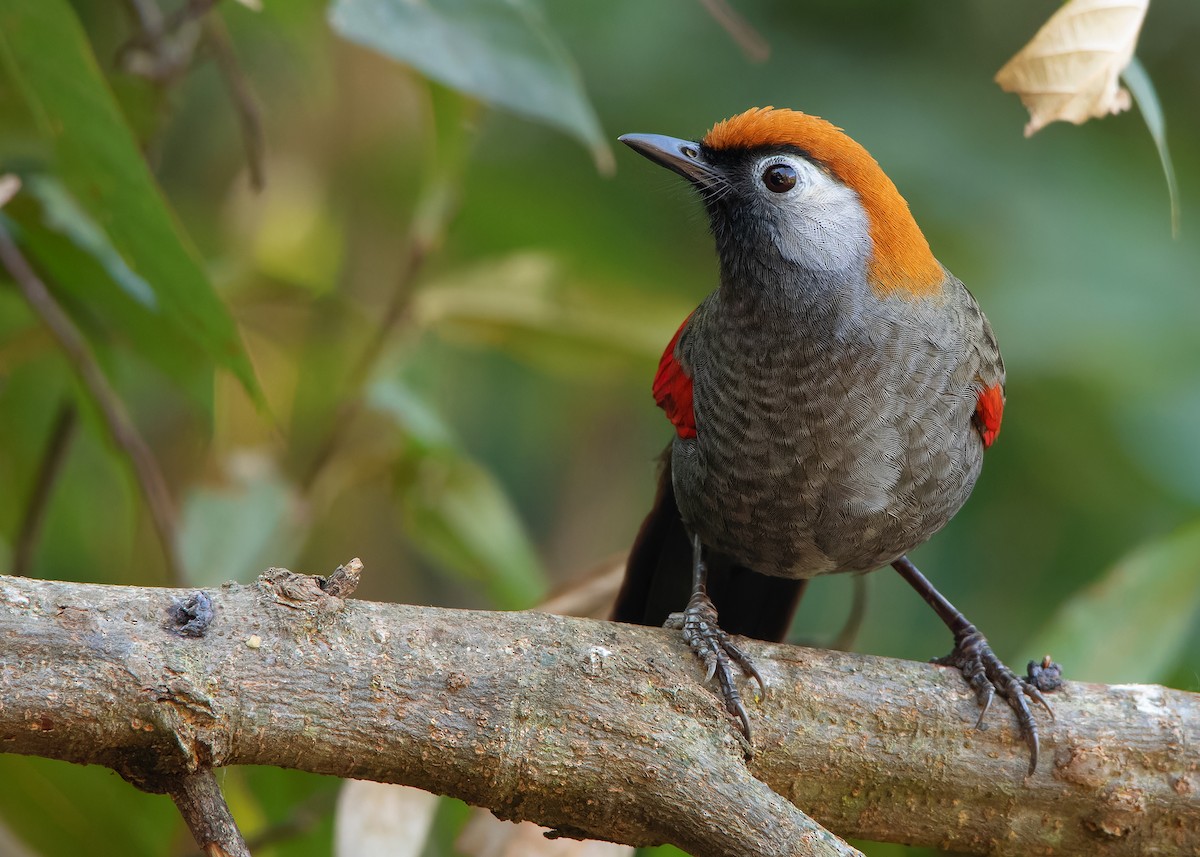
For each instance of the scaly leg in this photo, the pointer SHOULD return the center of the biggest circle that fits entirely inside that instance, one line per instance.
(974, 658)
(712, 645)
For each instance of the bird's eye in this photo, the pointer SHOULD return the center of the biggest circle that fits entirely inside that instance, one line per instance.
(779, 178)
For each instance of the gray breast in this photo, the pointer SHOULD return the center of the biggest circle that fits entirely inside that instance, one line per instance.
(823, 446)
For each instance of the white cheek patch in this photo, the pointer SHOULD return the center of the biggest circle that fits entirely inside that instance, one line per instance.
(821, 224)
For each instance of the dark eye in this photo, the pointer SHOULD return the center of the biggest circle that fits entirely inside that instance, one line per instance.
(779, 178)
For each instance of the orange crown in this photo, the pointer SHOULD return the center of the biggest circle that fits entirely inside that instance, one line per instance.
(901, 260)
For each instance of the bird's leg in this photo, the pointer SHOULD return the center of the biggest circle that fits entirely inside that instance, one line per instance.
(712, 645)
(974, 658)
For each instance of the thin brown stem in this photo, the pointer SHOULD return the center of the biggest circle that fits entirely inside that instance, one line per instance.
(216, 37)
(123, 432)
(435, 209)
(753, 45)
(159, 51)
(154, 27)
(199, 800)
(589, 594)
(301, 818)
(423, 239)
(844, 641)
(148, 17)
(193, 10)
(55, 454)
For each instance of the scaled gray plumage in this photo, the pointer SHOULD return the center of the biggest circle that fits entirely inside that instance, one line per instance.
(834, 434)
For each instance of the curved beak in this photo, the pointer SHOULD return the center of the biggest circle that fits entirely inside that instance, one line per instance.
(681, 156)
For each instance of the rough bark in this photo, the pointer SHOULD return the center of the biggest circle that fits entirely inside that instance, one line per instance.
(199, 800)
(593, 728)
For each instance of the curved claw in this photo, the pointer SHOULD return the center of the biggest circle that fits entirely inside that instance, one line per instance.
(984, 706)
(1032, 691)
(712, 645)
(743, 660)
(988, 676)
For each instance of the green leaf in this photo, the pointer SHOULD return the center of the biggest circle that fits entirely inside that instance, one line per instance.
(523, 304)
(1132, 624)
(1143, 92)
(58, 808)
(455, 511)
(500, 51)
(107, 299)
(44, 50)
(235, 531)
(62, 213)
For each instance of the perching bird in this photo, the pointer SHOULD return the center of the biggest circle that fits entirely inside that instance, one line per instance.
(832, 400)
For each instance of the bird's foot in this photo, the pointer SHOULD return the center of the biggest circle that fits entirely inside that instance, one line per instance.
(719, 653)
(988, 676)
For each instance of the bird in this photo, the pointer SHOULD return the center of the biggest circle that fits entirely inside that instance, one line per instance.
(832, 401)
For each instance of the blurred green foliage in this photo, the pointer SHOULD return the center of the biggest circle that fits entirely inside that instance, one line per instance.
(453, 318)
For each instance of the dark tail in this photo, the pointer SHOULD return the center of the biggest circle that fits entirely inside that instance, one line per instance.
(658, 578)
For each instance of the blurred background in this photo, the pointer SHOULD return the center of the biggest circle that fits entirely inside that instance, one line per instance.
(452, 293)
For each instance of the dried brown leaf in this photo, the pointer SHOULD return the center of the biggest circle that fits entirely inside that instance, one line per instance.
(1070, 69)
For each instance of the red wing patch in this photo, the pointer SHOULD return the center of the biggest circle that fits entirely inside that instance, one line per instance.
(989, 410)
(673, 389)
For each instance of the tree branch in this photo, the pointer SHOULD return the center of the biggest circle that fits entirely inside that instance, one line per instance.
(216, 36)
(34, 513)
(593, 728)
(203, 807)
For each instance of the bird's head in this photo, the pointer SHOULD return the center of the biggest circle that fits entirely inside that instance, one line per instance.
(784, 184)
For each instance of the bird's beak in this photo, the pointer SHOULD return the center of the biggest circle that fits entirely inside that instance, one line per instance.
(681, 156)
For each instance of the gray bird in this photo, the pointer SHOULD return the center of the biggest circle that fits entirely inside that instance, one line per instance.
(832, 400)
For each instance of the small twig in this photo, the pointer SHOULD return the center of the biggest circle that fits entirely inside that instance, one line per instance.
(193, 10)
(352, 405)
(344, 580)
(203, 807)
(149, 19)
(589, 594)
(753, 45)
(159, 51)
(424, 236)
(48, 470)
(844, 641)
(163, 49)
(435, 208)
(216, 37)
(121, 428)
(302, 818)
(154, 28)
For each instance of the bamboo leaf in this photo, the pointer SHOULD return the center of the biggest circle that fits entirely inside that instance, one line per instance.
(499, 51)
(456, 513)
(44, 50)
(1131, 625)
(1143, 92)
